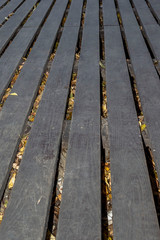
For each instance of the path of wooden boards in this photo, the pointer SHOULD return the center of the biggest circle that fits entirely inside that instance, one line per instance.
(134, 212)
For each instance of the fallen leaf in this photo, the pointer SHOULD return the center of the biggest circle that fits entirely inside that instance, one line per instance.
(101, 64)
(12, 181)
(13, 94)
(143, 126)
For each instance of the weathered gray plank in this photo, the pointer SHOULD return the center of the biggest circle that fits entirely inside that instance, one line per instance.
(134, 215)
(2, 3)
(153, 34)
(147, 80)
(80, 214)
(8, 9)
(109, 18)
(131, 190)
(144, 11)
(156, 6)
(73, 19)
(150, 26)
(15, 110)
(10, 27)
(37, 171)
(13, 54)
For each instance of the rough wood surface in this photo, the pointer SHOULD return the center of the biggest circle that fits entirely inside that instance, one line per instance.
(156, 6)
(131, 192)
(28, 212)
(14, 53)
(144, 12)
(146, 77)
(133, 205)
(7, 30)
(150, 26)
(109, 17)
(80, 215)
(8, 9)
(16, 109)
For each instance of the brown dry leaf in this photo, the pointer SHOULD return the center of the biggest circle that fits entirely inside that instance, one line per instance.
(10, 14)
(31, 118)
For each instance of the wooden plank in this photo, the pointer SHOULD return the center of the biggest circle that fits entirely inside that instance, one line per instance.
(131, 190)
(109, 18)
(144, 12)
(147, 80)
(13, 54)
(134, 215)
(33, 189)
(2, 2)
(8, 9)
(150, 26)
(7, 30)
(74, 17)
(16, 109)
(153, 34)
(156, 6)
(80, 214)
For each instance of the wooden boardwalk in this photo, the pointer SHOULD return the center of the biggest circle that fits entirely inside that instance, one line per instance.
(42, 43)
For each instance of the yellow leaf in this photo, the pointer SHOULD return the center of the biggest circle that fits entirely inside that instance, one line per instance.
(101, 64)
(22, 149)
(143, 126)
(1, 217)
(14, 94)
(12, 181)
(6, 203)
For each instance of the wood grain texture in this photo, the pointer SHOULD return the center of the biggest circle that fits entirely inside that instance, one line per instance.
(28, 212)
(7, 30)
(147, 80)
(16, 109)
(13, 54)
(80, 214)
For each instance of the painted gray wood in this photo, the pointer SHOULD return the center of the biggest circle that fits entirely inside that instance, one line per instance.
(15, 110)
(8, 9)
(8, 29)
(80, 213)
(147, 81)
(13, 54)
(27, 214)
(109, 16)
